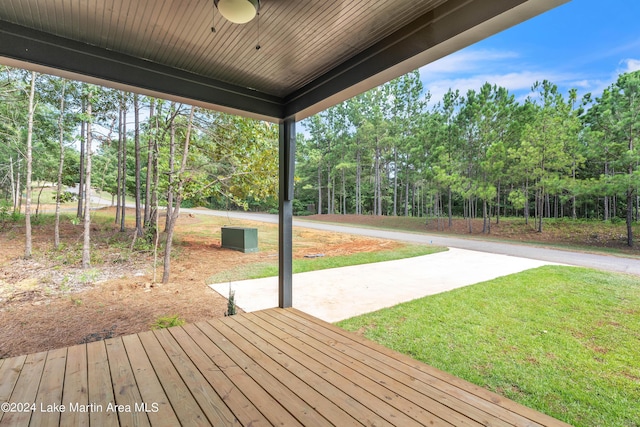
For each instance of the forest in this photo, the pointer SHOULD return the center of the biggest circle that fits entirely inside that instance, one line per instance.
(390, 151)
(144, 153)
(481, 154)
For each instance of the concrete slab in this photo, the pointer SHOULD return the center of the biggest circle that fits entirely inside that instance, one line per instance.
(340, 293)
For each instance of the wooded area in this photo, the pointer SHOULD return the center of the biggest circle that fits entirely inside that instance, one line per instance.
(390, 151)
(144, 152)
(483, 154)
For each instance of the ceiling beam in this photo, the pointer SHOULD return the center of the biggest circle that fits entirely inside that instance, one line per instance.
(38, 51)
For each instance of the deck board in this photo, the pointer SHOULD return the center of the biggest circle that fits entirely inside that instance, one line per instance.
(399, 378)
(381, 383)
(9, 373)
(25, 390)
(274, 367)
(49, 395)
(330, 397)
(214, 409)
(76, 388)
(477, 396)
(178, 394)
(268, 358)
(388, 405)
(153, 397)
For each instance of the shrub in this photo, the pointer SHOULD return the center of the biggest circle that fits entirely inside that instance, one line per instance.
(231, 304)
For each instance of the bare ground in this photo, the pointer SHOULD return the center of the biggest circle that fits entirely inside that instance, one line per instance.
(49, 302)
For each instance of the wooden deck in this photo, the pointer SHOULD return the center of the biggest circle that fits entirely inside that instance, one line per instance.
(274, 367)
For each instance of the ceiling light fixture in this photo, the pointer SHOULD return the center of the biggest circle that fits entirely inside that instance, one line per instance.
(238, 11)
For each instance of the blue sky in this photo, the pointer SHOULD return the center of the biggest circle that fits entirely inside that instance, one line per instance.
(584, 44)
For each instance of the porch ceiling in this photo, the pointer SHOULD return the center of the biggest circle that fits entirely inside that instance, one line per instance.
(314, 53)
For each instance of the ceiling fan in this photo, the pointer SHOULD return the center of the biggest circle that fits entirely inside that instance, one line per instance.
(238, 11)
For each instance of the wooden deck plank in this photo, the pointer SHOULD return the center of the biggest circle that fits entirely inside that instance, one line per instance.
(9, 373)
(49, 397)
(342, 391)
(99, 386)
(444, 380)
(274, 367)
(451, 409)
(179, 395)
(469, 405)
(75, 396)
(125, 389)
(214, 345)
(25, 390)
(244, 410)
(154, 399)
(254, 365)
(286, 370)
(211, 404)
(319, 378)
(380, 385)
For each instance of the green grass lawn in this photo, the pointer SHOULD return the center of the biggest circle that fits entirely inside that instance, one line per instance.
(562, 340)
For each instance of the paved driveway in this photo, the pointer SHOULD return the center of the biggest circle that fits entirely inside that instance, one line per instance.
(340, 293)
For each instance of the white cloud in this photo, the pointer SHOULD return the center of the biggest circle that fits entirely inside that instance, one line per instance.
(471, 68)
(468, 60)
(517, 83)
(631, 65)
(582, 84)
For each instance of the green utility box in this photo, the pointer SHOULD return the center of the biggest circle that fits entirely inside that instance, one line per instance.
(240, 239)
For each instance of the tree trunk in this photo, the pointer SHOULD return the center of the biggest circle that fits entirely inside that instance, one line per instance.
(470, 216)
(14, 192)
(449, 207)
(484, 216)
(320, 189)
(574, 214)
(138, 167)
(147, 190)
(630, 216)
(395, 181)
(526, 202)
(344, 193)
(498, 203)
(83, 134)
(606, 198)
(86, 247)
(179, 194)
(406, 199)
(172, 154)
(378, 183)
(329, 205)
(358, 180)
(541, 200)
(27, 207)
(119, 165)
(18, 190)
(124, 163)
(38, 202)
(56, 232)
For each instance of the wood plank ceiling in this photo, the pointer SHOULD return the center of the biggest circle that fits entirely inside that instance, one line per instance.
(313, 52)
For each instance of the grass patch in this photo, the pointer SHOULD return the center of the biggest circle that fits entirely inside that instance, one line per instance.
(270, 269)
(168, 322)
(562, 340)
